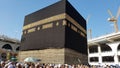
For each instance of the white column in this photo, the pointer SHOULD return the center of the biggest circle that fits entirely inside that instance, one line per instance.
(115, 56)
(114, 47)
(100, 57)
(88, 55)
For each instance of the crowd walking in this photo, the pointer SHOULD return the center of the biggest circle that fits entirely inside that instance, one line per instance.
(12, 64)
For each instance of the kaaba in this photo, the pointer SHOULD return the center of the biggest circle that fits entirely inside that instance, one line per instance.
(55, 34)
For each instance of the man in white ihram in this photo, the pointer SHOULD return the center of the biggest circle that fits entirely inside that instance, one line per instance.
(11, 65)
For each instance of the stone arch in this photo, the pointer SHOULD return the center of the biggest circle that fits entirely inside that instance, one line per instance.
(93, 48)
(118, 48)
(105, 47)
(7, 46)
(18, 48)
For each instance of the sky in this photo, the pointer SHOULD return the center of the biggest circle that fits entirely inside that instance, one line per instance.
(12, 13)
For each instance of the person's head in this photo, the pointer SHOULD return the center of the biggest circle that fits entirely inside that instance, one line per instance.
(18, 65)
(2, 63)
(37, 65)
(32, 65)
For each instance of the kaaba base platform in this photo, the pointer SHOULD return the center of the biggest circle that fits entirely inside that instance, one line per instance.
(55, 56)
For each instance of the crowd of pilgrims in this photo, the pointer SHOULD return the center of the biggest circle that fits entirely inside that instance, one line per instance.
(12, 64)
